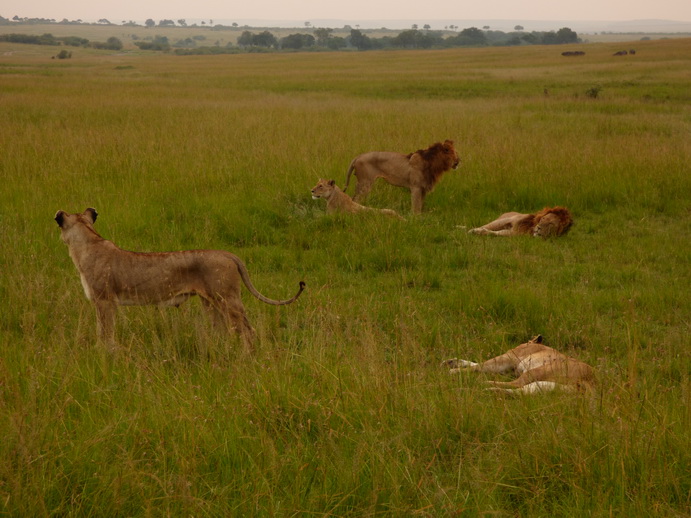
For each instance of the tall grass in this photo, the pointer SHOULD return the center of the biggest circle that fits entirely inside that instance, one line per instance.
(343, 408)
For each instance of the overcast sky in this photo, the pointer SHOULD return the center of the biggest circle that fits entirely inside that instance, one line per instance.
(350, 10)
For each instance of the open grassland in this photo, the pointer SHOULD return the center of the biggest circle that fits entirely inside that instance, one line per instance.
(343, 408)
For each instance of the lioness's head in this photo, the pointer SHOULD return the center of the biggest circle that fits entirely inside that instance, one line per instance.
(552, 222)
(67, 221)
(323, 189)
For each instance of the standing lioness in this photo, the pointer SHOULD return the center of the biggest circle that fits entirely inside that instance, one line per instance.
(112, 276)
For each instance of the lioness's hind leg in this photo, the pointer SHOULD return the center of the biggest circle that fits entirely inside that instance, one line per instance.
(363, 187)
(231, 315)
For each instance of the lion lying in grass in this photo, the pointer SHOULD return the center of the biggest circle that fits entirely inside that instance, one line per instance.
(338, 201)
(549, 222)
(539, 369)
(112, 276)
(418, 171)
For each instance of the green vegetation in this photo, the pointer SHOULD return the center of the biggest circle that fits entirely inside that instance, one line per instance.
(343, 408)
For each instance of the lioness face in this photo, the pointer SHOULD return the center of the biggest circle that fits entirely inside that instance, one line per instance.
(67, 221)
(323, 189)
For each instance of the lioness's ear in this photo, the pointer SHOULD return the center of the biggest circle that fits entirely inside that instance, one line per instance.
(538, 339)
(60, 217)
(332, 182)
(91, 214)
(448, 142)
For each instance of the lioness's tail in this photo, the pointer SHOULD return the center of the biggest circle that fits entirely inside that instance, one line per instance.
(350, 170)
(246, 279)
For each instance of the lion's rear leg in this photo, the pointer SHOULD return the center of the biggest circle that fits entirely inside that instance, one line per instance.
(536, 387)
(499, 227)
(363, 187)
(230, 316)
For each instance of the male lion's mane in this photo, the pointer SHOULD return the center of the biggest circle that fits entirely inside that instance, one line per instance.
(434, 162)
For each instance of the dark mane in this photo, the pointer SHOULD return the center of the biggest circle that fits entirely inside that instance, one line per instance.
(563, 215)
(434, 161)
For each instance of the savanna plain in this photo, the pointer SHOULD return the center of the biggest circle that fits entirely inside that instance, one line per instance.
(343, 408)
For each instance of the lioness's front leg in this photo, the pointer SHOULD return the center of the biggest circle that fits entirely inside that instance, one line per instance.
(105, 320)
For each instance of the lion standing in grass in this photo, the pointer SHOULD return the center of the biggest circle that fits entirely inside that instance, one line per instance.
(549, 222)
(338, 201)
(113, 277)
(419, 171)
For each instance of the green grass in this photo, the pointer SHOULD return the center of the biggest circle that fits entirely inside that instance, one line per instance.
(343, 408)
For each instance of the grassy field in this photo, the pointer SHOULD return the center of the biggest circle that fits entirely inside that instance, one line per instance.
(343, 408)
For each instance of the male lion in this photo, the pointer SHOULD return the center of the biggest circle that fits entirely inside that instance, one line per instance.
(112, 276)
(539, 369)
(338, 201)
(419, 171)
(549, 222)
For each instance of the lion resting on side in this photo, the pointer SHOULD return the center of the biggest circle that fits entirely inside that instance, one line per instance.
(112, 276)
(419, 171)
(539, 369)
(338, 201)
(549, 222)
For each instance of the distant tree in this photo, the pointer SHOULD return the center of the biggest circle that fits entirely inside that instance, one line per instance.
(182, 22)
(359, 40)
(104, 21)
(263, 39)
(114, 43)
(414, 26)
(150, 23)
(426, 27)
(158, 43)
(518, 28)
(322, 36)
(485, 27)
(166, 23)
(416, 39)
(566, 35)
(297, 41)
(308, 24)
(245, 39)
(336, 42)
(472, 36)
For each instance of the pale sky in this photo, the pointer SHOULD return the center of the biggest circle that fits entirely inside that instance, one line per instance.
(353, 11)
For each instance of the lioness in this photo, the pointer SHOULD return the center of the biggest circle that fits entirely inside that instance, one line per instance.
(549, 222)
(539, 369)
(112, 276)
(338, 201)
(418, 171)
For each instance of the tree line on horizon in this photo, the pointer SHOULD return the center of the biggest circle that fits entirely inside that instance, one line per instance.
(318, 39)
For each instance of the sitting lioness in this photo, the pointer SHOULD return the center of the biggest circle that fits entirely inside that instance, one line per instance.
(539, 369)
(338, 201)
(112, 276)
